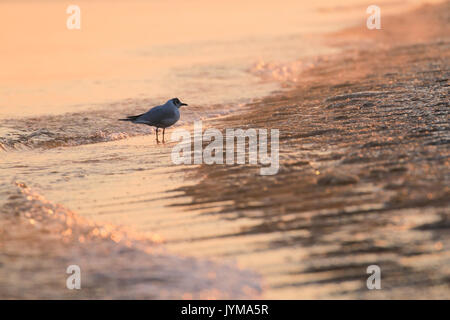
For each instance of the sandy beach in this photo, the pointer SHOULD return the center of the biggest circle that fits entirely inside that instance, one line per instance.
(364, 175)
(363, 180)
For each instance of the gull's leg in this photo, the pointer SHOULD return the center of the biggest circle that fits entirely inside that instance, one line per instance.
(157, 134)
(164, 130)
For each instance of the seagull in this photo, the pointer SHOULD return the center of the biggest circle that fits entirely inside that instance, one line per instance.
(162, 116)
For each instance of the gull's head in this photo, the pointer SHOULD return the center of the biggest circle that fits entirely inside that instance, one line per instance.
(177, 103)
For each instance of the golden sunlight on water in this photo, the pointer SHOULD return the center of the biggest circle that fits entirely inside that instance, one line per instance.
(142, 49)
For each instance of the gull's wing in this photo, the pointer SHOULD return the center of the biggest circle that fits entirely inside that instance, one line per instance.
(156, 115)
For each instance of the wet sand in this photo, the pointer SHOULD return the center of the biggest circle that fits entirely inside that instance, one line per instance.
(364, 179)
(364, 171)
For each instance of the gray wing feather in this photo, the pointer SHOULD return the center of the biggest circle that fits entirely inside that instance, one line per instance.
(156, 116)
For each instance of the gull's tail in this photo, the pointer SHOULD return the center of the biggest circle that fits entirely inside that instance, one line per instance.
(131, 118)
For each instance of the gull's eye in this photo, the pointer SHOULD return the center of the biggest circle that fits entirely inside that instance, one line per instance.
(176, 101)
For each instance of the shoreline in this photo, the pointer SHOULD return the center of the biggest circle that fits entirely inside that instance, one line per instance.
(363, 171)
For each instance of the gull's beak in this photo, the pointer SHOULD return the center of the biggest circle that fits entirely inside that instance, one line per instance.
(184, 104)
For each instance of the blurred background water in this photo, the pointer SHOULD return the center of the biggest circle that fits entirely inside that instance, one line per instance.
(198, 50)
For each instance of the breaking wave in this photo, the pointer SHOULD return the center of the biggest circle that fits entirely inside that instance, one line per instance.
(94, 126)
(284, 72)
(115, 262)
